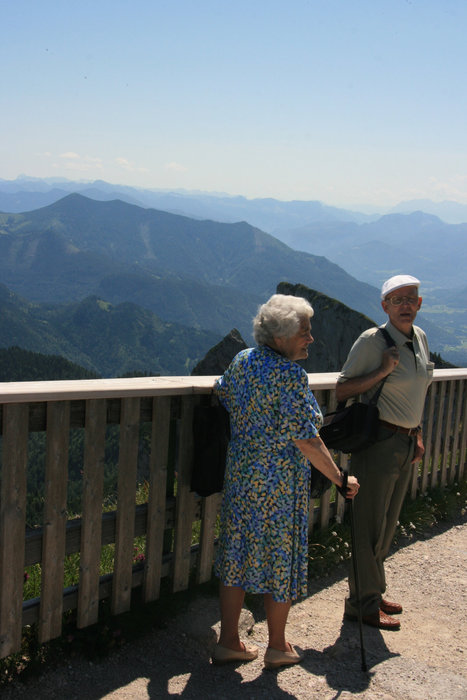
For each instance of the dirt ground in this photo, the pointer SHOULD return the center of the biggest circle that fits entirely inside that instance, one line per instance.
(426, 659)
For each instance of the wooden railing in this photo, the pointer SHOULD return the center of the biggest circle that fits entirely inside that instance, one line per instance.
(165, 406)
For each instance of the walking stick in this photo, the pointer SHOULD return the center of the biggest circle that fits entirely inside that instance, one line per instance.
(357, 584)
(343, 490)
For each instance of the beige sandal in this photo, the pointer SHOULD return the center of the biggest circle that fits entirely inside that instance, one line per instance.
(224, 655)
(274, 658)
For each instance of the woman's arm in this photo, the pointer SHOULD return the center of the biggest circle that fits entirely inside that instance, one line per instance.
(318, 454)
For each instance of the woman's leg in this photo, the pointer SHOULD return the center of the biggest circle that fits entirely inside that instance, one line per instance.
(276, 615)
(231, 602)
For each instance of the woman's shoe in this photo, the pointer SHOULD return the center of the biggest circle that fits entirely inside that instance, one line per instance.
(224, 655)
(274, 658)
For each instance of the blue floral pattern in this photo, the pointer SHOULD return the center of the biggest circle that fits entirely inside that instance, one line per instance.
(263, 542)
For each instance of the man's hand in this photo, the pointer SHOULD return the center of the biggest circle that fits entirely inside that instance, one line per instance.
(390, 360)
(419, 449)
(359, 385)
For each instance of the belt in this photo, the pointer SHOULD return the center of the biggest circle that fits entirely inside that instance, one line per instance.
(400, 428)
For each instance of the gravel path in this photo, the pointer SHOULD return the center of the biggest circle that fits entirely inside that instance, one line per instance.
(426, 659)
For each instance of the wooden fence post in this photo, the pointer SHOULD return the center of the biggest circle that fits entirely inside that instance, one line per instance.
(55, 518)
(12, 525)
(126, 503)
(157, 497)
(184, 510)
(435, 475)
(91, 528)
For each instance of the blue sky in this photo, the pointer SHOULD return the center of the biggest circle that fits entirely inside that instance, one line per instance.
(347, 101)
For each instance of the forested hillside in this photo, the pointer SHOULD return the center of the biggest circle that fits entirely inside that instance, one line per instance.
(107, 340)
(19, 365)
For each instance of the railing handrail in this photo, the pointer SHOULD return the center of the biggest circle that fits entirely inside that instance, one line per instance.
(74, 389)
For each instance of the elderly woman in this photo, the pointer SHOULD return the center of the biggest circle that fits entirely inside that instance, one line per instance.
(274, 417)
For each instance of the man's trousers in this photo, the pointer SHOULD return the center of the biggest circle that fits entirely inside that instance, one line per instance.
(383, 472)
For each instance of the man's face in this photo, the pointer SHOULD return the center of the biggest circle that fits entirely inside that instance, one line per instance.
(403, 315)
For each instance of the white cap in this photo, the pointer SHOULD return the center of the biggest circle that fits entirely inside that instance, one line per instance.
(397, 282)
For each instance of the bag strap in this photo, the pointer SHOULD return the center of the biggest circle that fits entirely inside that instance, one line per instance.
(390, 342)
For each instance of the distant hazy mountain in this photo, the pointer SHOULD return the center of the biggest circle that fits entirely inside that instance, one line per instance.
(102, 338)
(451, 212)
(26, 194)
(418, 243)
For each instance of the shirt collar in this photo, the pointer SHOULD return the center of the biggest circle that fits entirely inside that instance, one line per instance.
(398, 337)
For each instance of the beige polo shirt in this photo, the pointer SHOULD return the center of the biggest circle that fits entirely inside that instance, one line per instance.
(403, 396)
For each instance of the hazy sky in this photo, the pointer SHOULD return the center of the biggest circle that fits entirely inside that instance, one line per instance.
(345, 101)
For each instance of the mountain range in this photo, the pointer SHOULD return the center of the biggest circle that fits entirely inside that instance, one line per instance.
(200, 274)
(268, 214)
(271, 215)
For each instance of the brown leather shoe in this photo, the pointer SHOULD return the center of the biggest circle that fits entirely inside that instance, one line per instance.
(381, 620)
(390, 608)
(377, 619)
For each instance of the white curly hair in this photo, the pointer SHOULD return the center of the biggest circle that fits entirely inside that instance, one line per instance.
(280, 317)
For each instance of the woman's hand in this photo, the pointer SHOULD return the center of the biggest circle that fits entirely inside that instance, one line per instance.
(352, 487)
(316, 451)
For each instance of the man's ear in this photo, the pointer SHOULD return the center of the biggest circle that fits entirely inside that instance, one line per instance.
(419, 303)
(384, 304)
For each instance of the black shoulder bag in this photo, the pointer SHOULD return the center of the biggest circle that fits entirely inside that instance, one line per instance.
(211, 435)
(353, 428)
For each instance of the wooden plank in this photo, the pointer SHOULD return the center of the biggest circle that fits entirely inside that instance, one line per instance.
(463, 440)
(12, 525)
(420, 470)
(157, 497)
(70, 595)
(55, 517)
(184, 510)
(73, 530)
(71, 390)
(427, 435)
(91, 526)
(124, 539)
(137, 387)
(438, 428)
(210, 509)
(325, 509)
(454, 469)
(447, 432)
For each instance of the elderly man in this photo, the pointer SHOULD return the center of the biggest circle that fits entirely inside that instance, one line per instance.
(384, 469)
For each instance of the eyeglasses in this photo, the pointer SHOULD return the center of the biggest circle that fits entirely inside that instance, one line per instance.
(397, 301)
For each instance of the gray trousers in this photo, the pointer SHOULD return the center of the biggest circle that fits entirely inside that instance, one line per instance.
(383, 472)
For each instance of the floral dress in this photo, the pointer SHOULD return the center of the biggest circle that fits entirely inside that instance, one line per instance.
(263, 542)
